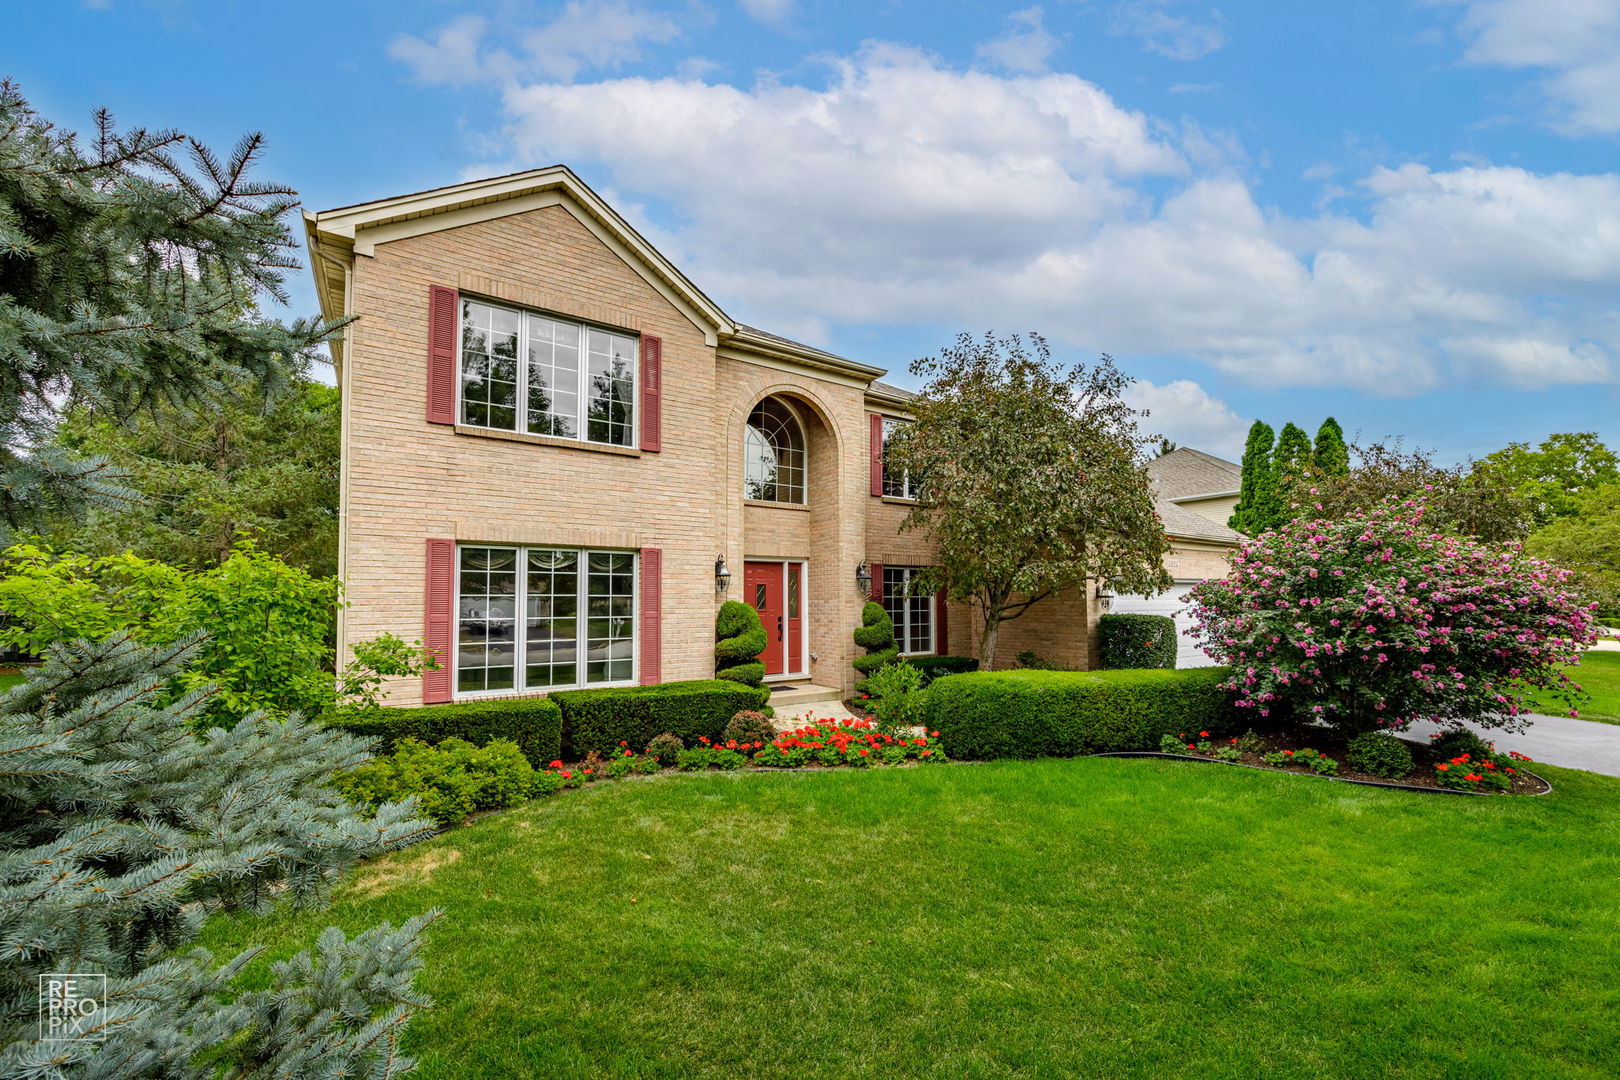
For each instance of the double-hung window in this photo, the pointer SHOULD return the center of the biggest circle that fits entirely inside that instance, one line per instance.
(523, 371)
(896, 484)
(912, 612)
(534, 618)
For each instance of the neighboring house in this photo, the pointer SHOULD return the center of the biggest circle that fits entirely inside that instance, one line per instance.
(1195, 494)
(559, 456)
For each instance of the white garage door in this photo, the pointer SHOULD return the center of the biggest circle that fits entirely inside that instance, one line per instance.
(1173, 604)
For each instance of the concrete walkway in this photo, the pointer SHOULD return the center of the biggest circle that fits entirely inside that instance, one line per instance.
(1556, 740)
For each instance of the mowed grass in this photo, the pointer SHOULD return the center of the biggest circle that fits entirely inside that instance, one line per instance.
(1598, 673)
(1095, 918)
(8, 681)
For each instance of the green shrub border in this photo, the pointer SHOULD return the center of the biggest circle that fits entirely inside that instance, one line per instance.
(600, 719)
(1028, 713)
(937, 667)
(534, 723)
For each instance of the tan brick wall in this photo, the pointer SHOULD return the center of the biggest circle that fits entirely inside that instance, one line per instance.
(408, 480)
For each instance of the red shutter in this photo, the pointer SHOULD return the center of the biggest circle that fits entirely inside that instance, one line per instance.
(942, 625)
(440, 607)
(652, 393)
(877, 582)
(443, 307)
(876, 448)
(652, 615)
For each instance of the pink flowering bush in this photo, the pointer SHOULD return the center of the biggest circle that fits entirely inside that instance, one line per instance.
(1376, 620)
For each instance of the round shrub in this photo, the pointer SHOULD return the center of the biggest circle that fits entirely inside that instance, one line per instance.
(666, 748)
(739, 638)
(1137, 641)
(1380, 754)
(1460, 741)
(749, 726)
(876, 636)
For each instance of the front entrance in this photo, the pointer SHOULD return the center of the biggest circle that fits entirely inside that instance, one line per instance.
(776, 591)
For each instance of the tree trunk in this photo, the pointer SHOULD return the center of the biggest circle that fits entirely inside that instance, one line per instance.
(987, 641)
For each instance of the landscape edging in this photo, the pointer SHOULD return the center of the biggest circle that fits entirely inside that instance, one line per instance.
(1318, 776)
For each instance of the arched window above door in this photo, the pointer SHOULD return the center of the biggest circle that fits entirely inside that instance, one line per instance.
(773, 453)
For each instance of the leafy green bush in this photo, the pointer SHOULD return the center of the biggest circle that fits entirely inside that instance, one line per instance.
(739, 638)
(1460, 741)
(750, 726)
(600, 719)
(666, 748)
(876, 636)
(451, 780)
(935, 667)
(533, 723)
(897, 700)
(1380, 754)
(1137, 641)
(1059, 713)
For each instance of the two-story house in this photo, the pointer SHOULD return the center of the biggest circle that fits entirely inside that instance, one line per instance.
(559, 456)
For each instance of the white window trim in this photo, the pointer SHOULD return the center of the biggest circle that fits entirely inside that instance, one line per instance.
(804, 443)
(933, 615)
(520, 640)
(582, 425)
(908, 492)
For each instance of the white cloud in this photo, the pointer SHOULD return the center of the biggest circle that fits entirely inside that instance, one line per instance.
(1179, 37)
(1185, 412)
(585, 35)
(1026, 45)
(904, 190)
(1575, 42)
(769, 11)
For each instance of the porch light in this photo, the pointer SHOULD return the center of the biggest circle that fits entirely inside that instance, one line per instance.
(722, 576)
(863, 577)
(1105, 594)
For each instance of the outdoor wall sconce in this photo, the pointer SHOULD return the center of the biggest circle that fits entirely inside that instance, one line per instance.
(1105, 594)
(722, 576)
(863, 577)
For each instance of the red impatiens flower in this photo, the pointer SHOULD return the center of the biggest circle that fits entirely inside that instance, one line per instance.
(624, 742)
(555, 765)
(933, 734)
(1474, 776)
(1203, 734)
(864, 751)
(567, 775)
(925, 753)
(1443, 768)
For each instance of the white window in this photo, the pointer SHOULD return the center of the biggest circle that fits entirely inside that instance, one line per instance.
(912, 612)
(896, 484)
(773, 453)
(522, 371)
(577, 622)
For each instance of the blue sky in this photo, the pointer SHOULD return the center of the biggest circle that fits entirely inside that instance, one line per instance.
(1404, 213)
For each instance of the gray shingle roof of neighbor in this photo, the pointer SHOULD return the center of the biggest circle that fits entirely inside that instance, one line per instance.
(1185, 471)
(891, 390)
(1180, 521)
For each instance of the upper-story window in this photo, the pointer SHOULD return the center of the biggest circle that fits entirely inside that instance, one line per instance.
(896, 483)
(522, 371)
(773, 453)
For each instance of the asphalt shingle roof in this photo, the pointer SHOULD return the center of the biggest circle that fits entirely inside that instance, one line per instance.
(1186, 471)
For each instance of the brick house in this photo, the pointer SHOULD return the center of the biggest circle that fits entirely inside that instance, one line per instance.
(559, 456)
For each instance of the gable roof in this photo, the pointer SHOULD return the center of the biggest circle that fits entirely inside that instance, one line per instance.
(1186, 473)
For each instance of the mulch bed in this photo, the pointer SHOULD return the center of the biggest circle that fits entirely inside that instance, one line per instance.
(1329, 742)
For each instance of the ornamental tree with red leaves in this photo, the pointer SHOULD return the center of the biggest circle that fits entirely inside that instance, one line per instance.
(1378, 619)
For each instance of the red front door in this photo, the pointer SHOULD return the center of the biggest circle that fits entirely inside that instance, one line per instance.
(774, 589)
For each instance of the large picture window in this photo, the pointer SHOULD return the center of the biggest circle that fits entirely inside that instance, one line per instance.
(773, 453)
(522, 371)
(896, 484)
(544, 618)
(912, 612)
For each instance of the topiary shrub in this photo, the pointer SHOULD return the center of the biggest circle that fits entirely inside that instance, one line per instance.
(1380, 754)
(876, 636)
(936, 667)
(1137, 641)
(749, 726)
(600, 720)
(666, 748)
(1026, 714)
(533, 723)
(739, 638)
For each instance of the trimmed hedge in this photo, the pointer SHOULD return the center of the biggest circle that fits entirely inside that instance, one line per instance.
(599, 719)
(937, 667)
(534, 723)
(1026, 714)
(1136, 641)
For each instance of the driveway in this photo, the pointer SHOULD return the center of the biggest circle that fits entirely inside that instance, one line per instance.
(1557, 740)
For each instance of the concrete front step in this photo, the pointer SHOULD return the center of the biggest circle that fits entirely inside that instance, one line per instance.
(799, 695)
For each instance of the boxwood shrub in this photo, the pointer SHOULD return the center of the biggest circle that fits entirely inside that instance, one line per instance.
(599, 719)
(534, 723)
(934, 667)
(1026, 714)
(1137, 641)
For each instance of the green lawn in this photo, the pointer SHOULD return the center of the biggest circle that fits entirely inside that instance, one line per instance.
(1104, 918)
(8, 681)
(1599, 675)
